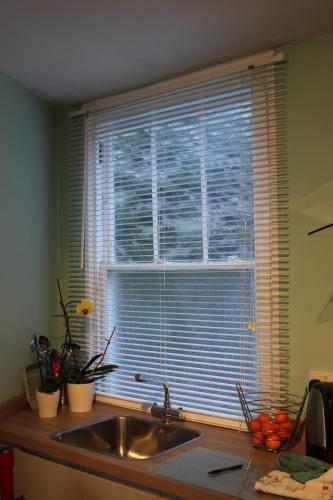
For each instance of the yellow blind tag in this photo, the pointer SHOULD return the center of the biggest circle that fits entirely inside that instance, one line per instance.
(251, 326)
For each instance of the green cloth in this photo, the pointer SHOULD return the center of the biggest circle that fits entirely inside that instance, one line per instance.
(300, 467)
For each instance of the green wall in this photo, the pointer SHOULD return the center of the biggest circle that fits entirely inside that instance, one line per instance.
(27, 222)
(310, 143)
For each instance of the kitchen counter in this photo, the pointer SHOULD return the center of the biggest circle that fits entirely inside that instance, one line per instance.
(27, 431)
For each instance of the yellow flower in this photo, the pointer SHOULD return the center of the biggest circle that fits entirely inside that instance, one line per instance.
(85, 307)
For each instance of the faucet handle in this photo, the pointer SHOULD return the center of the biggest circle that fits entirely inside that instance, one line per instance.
(167, 415)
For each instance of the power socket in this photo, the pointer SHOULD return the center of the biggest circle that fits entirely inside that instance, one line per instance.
(323, 376)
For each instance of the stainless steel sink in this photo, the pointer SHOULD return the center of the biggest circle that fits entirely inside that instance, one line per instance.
(128, 437)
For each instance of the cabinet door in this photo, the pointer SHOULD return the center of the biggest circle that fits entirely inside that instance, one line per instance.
(40, 479)
(97, 488)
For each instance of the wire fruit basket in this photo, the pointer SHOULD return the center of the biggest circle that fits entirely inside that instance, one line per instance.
(275, 421)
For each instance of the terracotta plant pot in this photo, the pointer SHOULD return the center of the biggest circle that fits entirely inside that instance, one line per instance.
(47, 403)
(80, 396)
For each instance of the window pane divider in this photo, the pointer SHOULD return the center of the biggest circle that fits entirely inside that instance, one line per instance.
(233, 264)
(203, 189)
(154, 190)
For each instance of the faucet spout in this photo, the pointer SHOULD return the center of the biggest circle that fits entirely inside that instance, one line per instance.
(167, 412)
(167, 404)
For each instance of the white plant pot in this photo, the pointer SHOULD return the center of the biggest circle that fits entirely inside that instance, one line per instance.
(80, 396)
(47, 403)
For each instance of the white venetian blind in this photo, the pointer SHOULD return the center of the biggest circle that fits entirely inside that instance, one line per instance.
(185, 240)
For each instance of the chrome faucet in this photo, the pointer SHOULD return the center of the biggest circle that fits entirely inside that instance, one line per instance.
(166, 413)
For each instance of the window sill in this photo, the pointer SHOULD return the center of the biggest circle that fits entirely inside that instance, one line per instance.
(189, 416)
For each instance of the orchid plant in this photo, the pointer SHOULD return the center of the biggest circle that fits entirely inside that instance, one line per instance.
(58, 367)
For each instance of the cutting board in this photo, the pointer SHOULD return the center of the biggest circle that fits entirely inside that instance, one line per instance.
(192, 467)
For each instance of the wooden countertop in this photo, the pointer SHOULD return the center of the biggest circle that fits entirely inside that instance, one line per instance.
(27, 431)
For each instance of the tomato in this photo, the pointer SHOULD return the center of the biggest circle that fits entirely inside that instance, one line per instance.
(264, 417)
(258, 438)
(284, 435)
(286, 425)
(270, 428)
(281, 416)
(273, 442)
(254, 425)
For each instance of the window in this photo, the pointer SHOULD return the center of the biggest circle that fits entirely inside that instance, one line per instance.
(185, 224)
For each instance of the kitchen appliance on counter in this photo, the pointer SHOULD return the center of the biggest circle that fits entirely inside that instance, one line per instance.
(319, 421)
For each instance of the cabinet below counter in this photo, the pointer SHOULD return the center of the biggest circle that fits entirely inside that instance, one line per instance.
(75, 473)
(40, 479)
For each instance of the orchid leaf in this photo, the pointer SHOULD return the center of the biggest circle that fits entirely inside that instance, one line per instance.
(102, 369)
(90, 362)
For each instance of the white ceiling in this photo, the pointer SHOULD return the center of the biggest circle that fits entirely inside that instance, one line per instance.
(68, 51)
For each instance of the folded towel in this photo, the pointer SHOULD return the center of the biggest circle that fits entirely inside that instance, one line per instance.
(300, 467)
(280, 483)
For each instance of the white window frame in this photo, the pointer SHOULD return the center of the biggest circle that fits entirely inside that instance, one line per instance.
(233, 264)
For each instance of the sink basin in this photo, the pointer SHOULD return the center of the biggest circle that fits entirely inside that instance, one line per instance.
(128, 437)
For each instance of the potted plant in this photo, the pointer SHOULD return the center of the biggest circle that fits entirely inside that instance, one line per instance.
(80, 374)
(51, 379)
(81, 384)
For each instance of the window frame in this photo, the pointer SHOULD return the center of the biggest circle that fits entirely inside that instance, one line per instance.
(103, 270)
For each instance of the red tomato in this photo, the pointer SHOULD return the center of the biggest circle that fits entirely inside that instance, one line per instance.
(258, 438)
(286, 425)
(281, 416)
(264, 417)
(273, 442)
(284, 435)
(254, 425)
(259, 435)
(270, 428)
